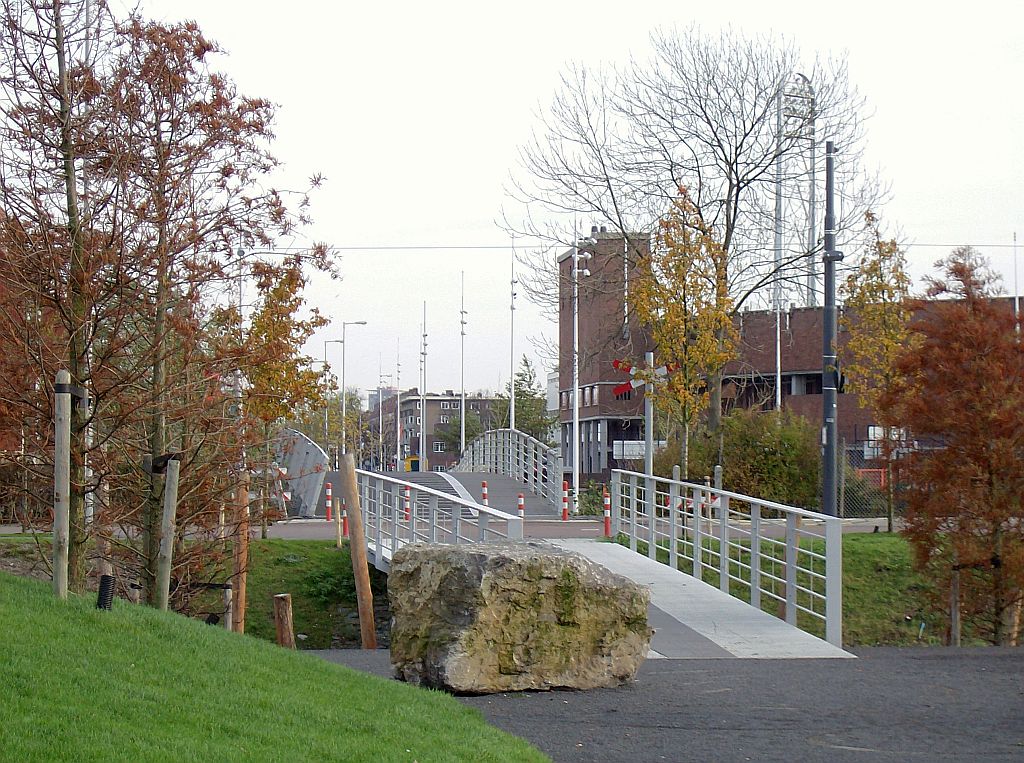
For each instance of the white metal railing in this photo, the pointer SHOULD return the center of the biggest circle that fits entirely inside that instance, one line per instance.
(782, 559)
(519, 456)
(396, 512)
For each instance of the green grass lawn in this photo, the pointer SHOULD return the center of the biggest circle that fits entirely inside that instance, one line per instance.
(319, 578)
(135, 684)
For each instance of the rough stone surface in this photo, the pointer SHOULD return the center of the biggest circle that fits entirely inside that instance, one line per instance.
(513, 616)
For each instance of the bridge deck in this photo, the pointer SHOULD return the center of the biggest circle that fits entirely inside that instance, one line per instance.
(694, 620)
(503, 491)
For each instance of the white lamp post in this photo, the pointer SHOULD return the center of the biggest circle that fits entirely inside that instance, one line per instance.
(462, 372)
(344, 448)
(576, 273)
(327, 405)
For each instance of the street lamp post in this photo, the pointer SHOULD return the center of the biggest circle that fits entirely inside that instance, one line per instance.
(462, 371)
(576, 273)
(344, 395)
(327, 404)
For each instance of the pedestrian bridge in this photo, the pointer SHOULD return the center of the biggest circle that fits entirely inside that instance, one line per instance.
(731, 575)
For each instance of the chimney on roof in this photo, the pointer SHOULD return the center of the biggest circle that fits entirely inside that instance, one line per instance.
(604, 229)
(593, 229)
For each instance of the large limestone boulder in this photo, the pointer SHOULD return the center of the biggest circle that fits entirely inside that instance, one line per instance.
(513, 616)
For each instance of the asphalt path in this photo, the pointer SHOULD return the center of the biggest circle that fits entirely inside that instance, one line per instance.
(927, 704)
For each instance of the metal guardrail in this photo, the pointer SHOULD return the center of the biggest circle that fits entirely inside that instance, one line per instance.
(396, 512)
(759, 551)
(519, 456)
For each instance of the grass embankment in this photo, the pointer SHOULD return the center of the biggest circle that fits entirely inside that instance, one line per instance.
(134, 684)
(319, 578)
(884, 600)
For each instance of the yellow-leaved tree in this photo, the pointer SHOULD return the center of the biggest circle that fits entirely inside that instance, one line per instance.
(681, 297)
(876, 315)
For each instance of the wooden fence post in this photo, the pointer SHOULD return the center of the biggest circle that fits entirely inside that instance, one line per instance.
(61, 484)
(241, 553)
(163, 563)
(357, 549)
(283, 620)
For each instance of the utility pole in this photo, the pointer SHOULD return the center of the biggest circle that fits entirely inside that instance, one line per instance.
(649, 417)
(423, 393)
(462, 365)
(830, 368)
(398, 405)
(777, 285)
(512, 348)
(576, 273)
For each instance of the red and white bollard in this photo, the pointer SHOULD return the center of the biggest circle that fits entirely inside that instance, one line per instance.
(607, 514)
(521, 506)
(328, 488)
(483, 488)
(407, 503)
(344, 519)
(565, 501)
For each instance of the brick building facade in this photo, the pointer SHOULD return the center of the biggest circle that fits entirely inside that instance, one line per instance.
(606, 334)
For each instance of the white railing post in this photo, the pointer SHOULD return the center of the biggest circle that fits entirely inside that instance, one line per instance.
(698, 544)
(834, 581)
(432, 517)
(673, 516)
(481, 519)
(616, 502)
(791, 548)
(515, 528)
(723, 543)
(633, 498)
(651, 499)
(755, 555)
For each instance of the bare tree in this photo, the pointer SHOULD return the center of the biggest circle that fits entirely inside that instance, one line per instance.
(733, 120)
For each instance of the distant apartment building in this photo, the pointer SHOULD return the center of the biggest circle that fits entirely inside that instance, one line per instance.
(442, 410)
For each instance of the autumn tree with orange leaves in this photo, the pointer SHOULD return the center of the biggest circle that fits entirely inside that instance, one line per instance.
(958, 389)
(135, 190)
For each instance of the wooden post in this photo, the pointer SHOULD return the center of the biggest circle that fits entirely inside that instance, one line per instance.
(163, 563)
(357, 549)
(228, 619)
(337, 522)
(261, 507)
(61, 484)
(241, 555)
(954, 606)
(283, 620)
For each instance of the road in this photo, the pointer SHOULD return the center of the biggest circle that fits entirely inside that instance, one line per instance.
(927, 704)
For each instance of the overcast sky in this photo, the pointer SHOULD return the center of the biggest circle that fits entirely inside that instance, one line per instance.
(414, 111)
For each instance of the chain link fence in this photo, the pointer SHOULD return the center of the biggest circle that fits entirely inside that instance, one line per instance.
(863, 488)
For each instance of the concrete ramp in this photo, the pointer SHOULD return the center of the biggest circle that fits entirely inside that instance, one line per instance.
(693, 620)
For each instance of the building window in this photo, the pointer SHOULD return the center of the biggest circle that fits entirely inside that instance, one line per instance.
(439, 447)
(474, 406)
(444, 405)
(438, 469)
(418, 420)
(627, 395)
(593, 394)
(446, 419)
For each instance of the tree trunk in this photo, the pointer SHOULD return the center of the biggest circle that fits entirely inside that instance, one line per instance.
(890, 495)
(684, 451)
(78, 313)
